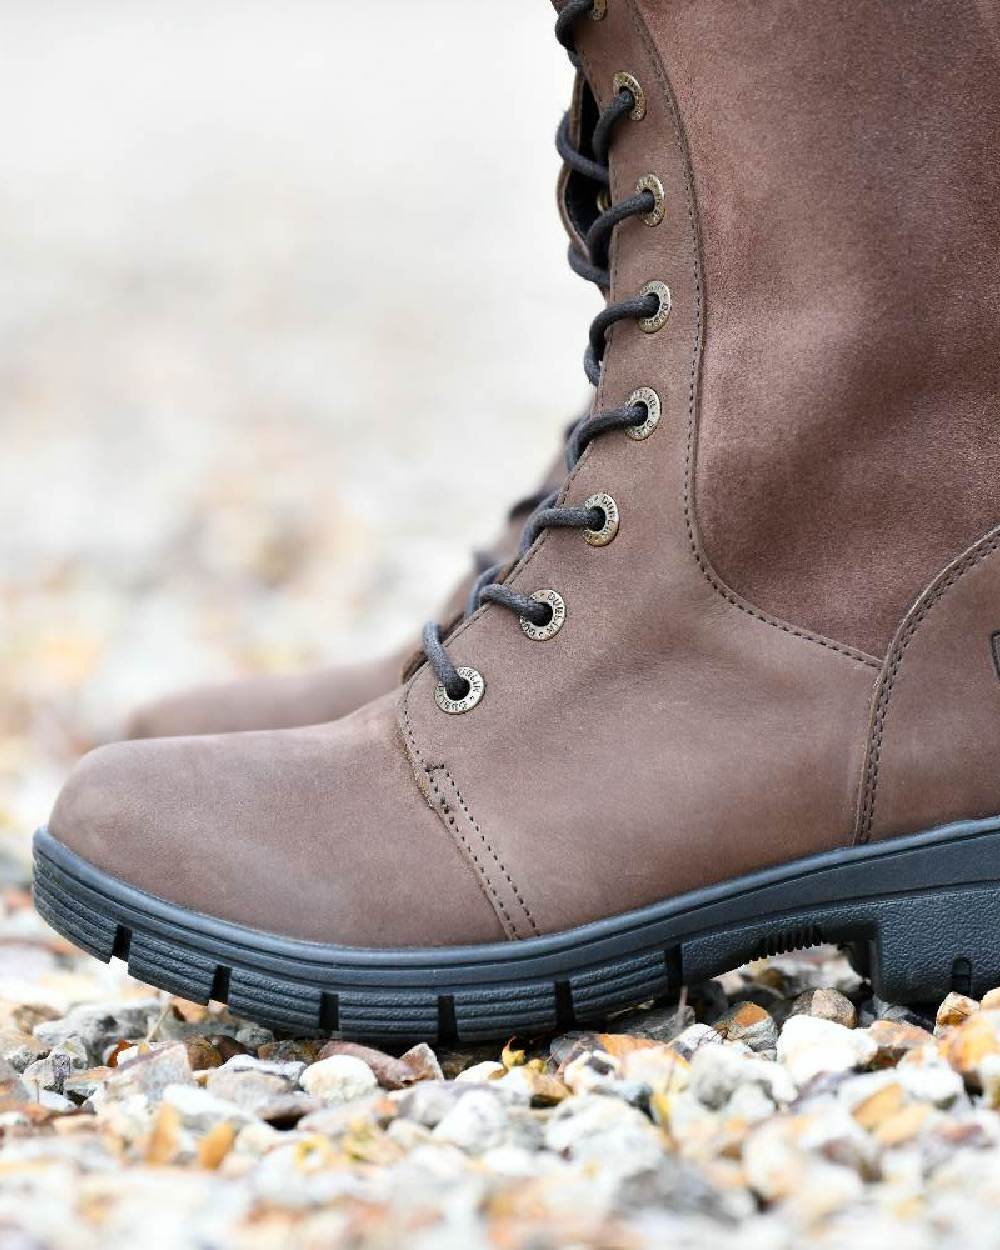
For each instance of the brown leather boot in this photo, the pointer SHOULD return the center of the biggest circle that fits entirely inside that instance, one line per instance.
(282, 701)
(743, 690)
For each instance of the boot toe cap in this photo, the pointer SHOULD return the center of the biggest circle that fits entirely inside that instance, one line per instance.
(319, 834)
(100, 805)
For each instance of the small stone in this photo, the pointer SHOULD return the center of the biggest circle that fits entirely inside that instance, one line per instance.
(989, 1080)
(287, 1070)
(287, 1051)
(824, 1190)
(570, 1046)
(256, 1140)
(51, 1072)
(165, 1139)
(429, 1102)
(285, 1111)
(931, 1080)
(656, 1022)
(422, 1063)
(836, 1135)
(809, 1046)
(12, 1088)
(593, 1070)
(454, 1062)
(717, 1072)
(749, 1023)
(99, 1027)
(990, 1001)
(19, 1049)
(488, 1070)
(880, 1106)
(150, 1074)
(969, 1043)
(904, 1126)
(407, 1134)
(955, 1009)
(893, 1039)
(512, 1055)
(475, 1123)
(760, 994)
(247, 1088)
(79, 1086)
(662, 1069)
(592, 1127)
(682, 1189)
(772, 1160)
(217, 1143)
(693, 1039)
(532, 1088)
(202, 1054)
(826, 1004)
(340, 1078)
(27, 1016)
(419, 1063)
(52, 1101)
(333, 1120)
(200, 1111)
(901, 1014)
(254, 1036)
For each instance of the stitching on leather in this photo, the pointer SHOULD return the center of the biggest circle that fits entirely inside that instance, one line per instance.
(488, 846)
(710, 575)
(866, 819)
(446, 814)
(482, 871)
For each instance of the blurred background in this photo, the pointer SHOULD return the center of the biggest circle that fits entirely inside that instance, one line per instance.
(285, 324)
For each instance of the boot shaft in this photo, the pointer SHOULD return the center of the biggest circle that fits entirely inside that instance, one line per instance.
(845, 190)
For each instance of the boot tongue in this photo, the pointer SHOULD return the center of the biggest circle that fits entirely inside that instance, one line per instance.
(578, 195)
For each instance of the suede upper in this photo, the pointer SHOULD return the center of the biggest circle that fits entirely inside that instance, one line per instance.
(708, 707)
(316, 833)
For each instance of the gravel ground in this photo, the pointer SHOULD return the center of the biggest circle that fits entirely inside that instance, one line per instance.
(272, 281)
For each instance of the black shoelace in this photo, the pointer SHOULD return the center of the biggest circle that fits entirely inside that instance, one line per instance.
(592, 264)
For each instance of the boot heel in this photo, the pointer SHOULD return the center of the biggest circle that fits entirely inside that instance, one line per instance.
(928, 943)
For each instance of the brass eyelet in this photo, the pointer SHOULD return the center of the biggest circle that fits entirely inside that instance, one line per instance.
(623, 81)
(645, 395)
(599, 10)
(603, 200)
(649, 325)
(650, 182)
(455, 707)
(607, 532)
(542, 633)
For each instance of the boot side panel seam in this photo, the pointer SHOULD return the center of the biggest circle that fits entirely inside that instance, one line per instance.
(491, 874)
(455, 813)
(985, 547)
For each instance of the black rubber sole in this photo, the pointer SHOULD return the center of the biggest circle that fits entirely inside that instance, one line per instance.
(921, 915)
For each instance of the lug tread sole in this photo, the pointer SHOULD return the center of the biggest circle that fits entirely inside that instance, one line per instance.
(933, 925)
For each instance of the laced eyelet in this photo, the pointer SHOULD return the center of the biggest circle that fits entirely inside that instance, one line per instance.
(652, 184)
(599, 10)
(645, 395)
(607, 532)
(649, 325)
(455, 707)
(623, 81)
(603, 200)
(557, 606)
